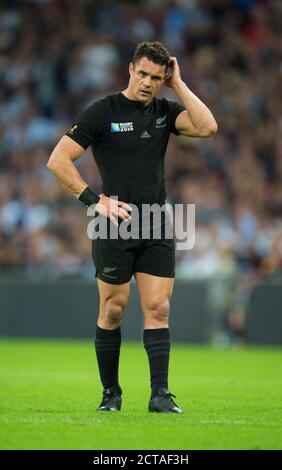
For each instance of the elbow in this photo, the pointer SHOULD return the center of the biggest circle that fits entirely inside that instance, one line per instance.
(207, 130)
(52, 167)
(213, 127)
(52, 164)
(210, 130)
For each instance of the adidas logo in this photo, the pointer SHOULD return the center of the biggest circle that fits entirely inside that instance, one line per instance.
(145, 135)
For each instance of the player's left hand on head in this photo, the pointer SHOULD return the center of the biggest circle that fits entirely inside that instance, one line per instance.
(173, 75)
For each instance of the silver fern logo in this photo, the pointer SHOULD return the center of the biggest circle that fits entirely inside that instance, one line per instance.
(160, 122)
(108, 270)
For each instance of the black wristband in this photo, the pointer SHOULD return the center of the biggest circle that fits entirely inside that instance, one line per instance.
(89, 197)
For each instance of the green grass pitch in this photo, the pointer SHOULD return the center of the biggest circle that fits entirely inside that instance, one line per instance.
(232, 399)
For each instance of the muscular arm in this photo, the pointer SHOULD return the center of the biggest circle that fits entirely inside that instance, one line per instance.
(61, 165)
(197, 120)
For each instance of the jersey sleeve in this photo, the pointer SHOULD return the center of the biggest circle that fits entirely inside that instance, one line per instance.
(87, 126)
(174, 109)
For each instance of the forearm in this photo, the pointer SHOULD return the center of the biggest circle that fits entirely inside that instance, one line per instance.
(199, 114)
(67, 174)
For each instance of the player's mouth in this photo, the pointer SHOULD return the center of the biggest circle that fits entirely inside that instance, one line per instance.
(147, 93)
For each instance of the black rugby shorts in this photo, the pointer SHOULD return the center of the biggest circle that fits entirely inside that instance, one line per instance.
(116, 260)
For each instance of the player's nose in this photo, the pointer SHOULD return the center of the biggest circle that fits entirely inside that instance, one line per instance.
(147, 81)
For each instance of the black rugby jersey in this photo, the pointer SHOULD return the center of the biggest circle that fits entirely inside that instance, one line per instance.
(129, 142)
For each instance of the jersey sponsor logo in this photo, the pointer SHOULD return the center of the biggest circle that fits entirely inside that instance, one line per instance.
(121, 126)
(160, 122)
(145, 135)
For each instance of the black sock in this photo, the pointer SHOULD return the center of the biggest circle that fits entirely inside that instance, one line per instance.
(157, 345)
(107, 345)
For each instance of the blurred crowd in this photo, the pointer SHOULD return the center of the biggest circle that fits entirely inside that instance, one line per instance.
(58, 56)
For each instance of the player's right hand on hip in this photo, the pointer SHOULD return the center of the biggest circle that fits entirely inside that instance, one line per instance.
(113, 209)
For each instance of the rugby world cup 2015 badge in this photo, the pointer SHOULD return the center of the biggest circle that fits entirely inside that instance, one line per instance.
(121, 126)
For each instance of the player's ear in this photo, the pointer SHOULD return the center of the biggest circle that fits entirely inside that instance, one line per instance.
(130, 68)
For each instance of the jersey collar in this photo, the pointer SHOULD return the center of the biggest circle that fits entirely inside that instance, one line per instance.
(134, 103)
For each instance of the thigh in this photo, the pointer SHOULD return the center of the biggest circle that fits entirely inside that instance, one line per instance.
(153, 290)
(119, 293)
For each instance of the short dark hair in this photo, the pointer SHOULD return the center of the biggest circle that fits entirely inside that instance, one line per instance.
(154, 51)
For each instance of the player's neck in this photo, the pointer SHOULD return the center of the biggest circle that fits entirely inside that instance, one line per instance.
(129, 95)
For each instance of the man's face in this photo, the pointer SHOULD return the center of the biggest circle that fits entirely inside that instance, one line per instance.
(146, 79)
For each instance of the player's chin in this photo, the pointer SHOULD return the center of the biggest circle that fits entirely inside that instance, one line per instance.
(144, 101)
(144, 97)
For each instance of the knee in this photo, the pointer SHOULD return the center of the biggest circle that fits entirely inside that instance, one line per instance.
(158, 310)
(112, 312)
